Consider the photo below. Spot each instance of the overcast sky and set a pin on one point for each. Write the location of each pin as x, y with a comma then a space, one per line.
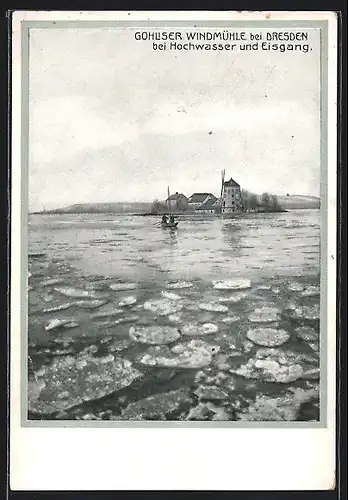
112, 120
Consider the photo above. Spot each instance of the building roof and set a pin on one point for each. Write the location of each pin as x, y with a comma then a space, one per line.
231, 183
200, 197
208, 205
176, 196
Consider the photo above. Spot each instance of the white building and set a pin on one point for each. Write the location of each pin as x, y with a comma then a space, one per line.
198, 199
231, 200
208, 207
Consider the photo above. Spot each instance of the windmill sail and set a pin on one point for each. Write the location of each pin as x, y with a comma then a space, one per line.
222, 186
169, 200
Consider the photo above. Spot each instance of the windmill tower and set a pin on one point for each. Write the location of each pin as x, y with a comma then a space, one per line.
231, 199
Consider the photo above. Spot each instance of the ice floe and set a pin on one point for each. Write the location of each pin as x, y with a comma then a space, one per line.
268, 337
222, 362
52, 281
264, 315
163, 307
47, 297
89, 416
209, 376
91, 349
177, 285
235, 298
229, 320
313, 374
98, 285
314, 346
221, 377
306, 312
154, 334
157, 407
53, 324
200, 376
65, 341
89, 304
119, 345
192, 306
213, 307
196, 329
207, 411
273, 365
193, 354
290, 306
232, 284
69, 381
295, 287
170, 295
77, 293
110, 311
210, 393
248, 346
127, 301
175, 318
263, 287
307, 334
123, 286
311, 291
61, 307
281, 408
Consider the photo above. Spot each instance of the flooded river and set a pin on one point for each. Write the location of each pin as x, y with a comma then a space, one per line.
218, 320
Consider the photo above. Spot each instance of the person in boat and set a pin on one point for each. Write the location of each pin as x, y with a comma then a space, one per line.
164, 219
171, 219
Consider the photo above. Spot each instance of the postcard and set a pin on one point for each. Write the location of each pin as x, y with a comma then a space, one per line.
173, 250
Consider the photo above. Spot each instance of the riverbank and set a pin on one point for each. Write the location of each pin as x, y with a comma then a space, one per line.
202, 214
288, 202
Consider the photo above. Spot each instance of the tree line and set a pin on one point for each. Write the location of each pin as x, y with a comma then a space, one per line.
158, 207
251, 201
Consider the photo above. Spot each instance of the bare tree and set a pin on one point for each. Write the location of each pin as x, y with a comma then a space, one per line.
158, 208
265, 200
269, 201
273, 202
249, 200
252, 201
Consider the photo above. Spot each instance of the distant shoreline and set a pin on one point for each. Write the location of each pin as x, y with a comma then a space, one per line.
176, 214
285, 203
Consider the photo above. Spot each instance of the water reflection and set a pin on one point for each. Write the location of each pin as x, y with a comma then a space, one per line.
170, 236
232, 237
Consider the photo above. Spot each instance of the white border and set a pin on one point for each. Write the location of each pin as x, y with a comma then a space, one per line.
164, 459
172, 15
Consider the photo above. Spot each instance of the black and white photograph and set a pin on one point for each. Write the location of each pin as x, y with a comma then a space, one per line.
173, 251
175, 197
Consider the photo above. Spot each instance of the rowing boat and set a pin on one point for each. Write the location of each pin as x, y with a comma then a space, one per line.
169, 225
